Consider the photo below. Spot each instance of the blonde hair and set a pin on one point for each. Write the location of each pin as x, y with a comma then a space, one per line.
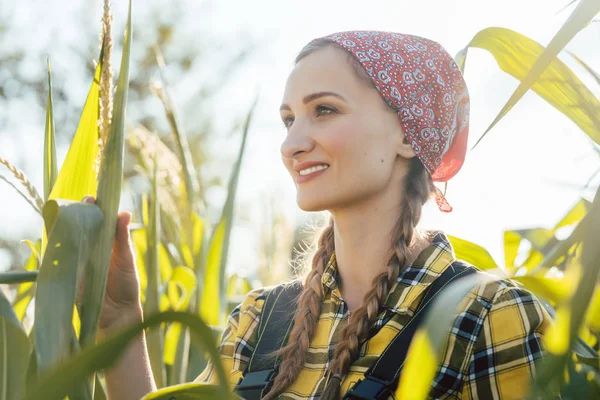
418, 188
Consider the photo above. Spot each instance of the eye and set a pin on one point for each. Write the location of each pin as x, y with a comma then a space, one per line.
320, 111
287, 121
325, 110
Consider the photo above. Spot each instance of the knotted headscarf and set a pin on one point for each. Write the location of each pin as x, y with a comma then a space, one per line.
418, 78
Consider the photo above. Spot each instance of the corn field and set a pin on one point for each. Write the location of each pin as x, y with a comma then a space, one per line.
181, 256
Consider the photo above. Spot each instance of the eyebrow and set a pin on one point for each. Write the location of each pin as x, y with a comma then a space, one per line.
311, 97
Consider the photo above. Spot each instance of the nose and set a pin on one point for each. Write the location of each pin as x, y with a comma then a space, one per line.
297, 141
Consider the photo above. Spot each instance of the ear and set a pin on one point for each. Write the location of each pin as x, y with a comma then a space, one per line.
403, 147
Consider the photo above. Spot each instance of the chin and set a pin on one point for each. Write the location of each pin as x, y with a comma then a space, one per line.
312, 204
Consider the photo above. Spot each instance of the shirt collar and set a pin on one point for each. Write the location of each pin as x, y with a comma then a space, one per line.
412, 281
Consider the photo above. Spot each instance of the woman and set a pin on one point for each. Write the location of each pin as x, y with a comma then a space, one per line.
372, 119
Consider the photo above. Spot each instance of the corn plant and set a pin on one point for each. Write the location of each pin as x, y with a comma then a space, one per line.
563, 274
59, 356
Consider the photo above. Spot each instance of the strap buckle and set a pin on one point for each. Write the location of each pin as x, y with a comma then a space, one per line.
251, 385
369, 388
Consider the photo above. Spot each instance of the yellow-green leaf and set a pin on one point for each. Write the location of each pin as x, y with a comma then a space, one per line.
552, 289
539, 69
181, 287
50, 168
77, 176
574, 215
428, 343
26, 291
185, 391
593, 313
472, 253
512, 240
556, 340
419, 369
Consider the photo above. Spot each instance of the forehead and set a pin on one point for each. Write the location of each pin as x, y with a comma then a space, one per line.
327, 69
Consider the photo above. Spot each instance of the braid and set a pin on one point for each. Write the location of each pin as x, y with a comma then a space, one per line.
417, 190
294, 352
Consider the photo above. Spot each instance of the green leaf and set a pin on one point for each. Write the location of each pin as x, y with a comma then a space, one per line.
214, 277
12, 277
552, 368
472, 253
50, 168
59, 381
183, 149
108, 198
539, 69
428, 343
594, 74
185, 391
73, 231
155, 335
14, 348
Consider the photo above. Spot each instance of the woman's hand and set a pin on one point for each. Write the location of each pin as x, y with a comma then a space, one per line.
122, 305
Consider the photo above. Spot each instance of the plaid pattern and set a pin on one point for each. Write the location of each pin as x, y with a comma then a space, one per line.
489, 354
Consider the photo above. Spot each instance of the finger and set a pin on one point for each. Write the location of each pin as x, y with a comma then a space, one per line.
89, 199
122, 245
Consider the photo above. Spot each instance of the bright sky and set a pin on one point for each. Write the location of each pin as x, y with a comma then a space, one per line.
527, 172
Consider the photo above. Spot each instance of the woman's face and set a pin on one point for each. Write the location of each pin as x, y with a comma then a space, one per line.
336, 121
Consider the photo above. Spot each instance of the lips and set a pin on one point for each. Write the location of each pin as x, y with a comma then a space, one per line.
308, 164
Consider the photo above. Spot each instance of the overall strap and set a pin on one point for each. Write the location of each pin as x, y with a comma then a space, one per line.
381, 378
277, 318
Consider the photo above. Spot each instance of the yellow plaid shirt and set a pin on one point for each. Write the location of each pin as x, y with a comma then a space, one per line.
489, 354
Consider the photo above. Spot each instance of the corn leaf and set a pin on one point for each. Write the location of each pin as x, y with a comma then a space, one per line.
180, 291
155, 337
512, 240
570, 317
183, 149
214, 277
58, 382
594, 74
108, 198
539, 69
14, 348
574, 215
181, 287
472, 253
552, 289
26, 291
74, 228
50, 169
185, 391
427, 345
140, 243
77, 176
593, 313
182, 356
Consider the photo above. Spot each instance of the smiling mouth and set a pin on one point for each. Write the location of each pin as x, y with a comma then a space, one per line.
310, 173
310, 170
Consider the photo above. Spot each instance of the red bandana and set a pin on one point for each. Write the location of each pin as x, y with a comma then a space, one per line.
417, 77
